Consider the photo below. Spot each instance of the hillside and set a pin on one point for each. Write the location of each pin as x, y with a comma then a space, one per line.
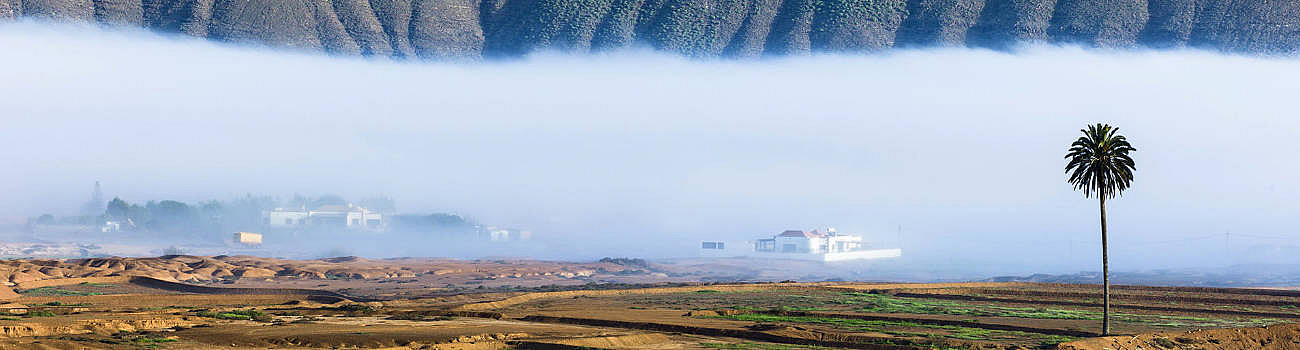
437, 29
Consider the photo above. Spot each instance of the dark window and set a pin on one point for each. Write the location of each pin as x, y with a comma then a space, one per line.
288, 221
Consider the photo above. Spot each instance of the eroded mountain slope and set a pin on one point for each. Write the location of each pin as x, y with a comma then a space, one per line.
486, 28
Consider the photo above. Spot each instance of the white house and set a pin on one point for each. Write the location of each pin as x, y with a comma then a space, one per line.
287, 217
801, 245
496, 234
341, 216
247, 239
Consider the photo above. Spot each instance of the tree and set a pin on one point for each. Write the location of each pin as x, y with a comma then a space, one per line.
1099, 165
329, 199
138, 215
380, 204
45, 219
169, 215
117, 209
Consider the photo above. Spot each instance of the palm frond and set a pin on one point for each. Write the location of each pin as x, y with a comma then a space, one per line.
1099, 163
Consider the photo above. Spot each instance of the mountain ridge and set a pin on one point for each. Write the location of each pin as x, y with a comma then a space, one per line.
472, 29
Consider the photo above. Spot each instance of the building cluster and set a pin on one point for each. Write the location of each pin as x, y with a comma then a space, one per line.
327, 216
498, 234
802, 245
354, 217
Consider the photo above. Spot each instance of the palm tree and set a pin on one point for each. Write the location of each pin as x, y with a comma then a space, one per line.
1100, 166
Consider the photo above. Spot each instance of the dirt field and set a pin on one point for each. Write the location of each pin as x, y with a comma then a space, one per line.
428, 304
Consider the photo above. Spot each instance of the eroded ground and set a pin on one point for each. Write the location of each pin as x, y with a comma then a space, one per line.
415, 304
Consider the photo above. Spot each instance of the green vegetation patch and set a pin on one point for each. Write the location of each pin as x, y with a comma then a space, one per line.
152, 340
357, 309
247, 315
156, 308
891, 327
54, 292
770, 300
881, 303
57, 303
757, 346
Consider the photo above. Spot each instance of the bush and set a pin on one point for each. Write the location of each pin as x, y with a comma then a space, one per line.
56, 303
357, 308
636, 262
148, 340
51, 291
247, 315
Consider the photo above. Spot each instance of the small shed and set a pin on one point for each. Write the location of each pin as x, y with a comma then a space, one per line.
248, 239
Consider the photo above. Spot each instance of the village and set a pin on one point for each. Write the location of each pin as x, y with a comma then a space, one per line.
253, 225
829, 246
265, 226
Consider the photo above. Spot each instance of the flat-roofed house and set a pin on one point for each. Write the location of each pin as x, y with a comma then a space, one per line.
338, 216
802, 245
247, 239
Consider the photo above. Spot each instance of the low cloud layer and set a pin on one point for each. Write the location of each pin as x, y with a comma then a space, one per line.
641, 154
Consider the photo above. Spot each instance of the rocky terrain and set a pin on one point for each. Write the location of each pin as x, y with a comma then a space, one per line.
471, 29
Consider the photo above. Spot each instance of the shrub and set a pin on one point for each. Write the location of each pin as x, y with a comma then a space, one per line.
357, 308
247, 315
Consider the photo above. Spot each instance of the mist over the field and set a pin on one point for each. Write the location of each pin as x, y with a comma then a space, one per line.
954, 154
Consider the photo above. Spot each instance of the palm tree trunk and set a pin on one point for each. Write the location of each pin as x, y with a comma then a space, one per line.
1105, 274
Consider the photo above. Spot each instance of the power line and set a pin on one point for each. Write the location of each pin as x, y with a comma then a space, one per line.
1189, 239
1266, 237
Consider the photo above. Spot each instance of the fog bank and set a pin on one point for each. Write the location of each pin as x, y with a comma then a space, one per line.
955, 154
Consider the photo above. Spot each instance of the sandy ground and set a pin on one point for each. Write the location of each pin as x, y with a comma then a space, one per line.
1279, 337
185, 302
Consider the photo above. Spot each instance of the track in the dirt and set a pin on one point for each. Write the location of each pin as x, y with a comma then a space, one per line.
843, 341
155, 283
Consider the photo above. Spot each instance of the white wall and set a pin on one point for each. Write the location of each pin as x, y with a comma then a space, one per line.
278, 218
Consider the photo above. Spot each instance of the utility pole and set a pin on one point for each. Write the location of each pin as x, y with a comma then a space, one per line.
1227, 247
900, 236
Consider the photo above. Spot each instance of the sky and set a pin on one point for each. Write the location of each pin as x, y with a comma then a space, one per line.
954, 154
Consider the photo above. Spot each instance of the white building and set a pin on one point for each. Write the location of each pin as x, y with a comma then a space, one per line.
247, 239
802, 245
339, 216
496, 234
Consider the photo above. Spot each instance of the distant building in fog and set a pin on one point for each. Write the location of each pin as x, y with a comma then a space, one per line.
498, 234
801, 245
439, 223
327, 216
95, 206
247, 239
